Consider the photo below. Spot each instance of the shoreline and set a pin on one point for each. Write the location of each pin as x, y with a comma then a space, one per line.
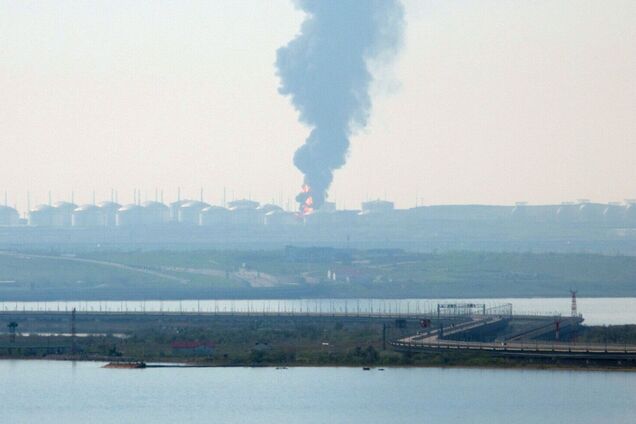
184, 364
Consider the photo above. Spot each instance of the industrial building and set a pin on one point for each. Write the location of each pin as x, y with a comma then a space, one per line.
377, 212
580, 226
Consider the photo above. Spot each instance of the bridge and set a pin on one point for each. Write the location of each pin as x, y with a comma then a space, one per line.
523, 349
458, 312
526, 343
457, 327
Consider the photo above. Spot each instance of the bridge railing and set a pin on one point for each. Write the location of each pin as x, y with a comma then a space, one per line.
537, 346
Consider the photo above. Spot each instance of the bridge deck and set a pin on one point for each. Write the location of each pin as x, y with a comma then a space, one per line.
528, 348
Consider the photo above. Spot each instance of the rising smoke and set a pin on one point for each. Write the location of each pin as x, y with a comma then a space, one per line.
325, 71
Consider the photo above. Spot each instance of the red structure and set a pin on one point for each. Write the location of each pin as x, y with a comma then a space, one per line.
574, 312
184, 347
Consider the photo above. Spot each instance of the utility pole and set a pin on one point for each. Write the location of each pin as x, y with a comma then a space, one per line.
574, 313
12, 327
384, 336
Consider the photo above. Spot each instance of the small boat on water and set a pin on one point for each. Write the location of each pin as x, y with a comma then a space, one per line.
126, 365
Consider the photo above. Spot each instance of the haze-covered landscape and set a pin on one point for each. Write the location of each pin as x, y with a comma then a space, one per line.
310, 272
318, 211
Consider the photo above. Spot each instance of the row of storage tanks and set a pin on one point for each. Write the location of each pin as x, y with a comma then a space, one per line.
250, 213
111, 214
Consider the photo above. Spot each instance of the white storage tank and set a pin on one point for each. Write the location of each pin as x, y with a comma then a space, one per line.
319, 218
328, 207
41, 216
129, 216
244, 213
567, 212
520, 211
88, 216
377, 206
630, 213
614, 214
214, 216
63, 214
189, 212
263, 210
174, 209
155, 213
591, 212
8, 216
346, 218
266, 208
542, 213
109, 212
242, 204
280, 218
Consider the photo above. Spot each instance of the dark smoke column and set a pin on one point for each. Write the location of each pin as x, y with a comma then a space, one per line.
324, 70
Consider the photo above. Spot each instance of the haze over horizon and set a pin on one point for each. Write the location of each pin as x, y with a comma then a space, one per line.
493, 103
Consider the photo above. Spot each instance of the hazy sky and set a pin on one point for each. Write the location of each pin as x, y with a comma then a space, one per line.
489, 102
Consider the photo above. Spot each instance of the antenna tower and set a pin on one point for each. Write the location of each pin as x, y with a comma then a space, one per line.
574, 312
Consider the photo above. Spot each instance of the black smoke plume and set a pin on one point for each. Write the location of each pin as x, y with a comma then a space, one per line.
325, 71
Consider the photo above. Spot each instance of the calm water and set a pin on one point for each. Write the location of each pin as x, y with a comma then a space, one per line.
52, 392
596, 311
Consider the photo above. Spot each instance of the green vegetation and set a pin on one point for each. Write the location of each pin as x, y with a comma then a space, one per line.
304, 273
613, 334
254, 341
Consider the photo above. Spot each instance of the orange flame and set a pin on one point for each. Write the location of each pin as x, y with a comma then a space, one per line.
307, 207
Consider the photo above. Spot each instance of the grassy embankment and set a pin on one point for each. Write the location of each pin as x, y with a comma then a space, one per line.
273, 274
